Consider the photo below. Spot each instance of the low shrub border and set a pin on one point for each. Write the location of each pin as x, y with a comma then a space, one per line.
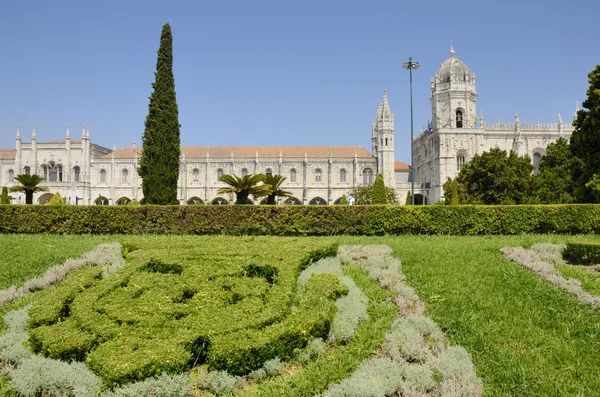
582, 253
301, 220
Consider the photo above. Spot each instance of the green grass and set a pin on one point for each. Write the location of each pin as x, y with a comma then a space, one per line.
526, 337
27, 256
590, 279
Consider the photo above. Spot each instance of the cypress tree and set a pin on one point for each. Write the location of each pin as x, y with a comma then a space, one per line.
4, 198
379, 192
408, 199
159, 162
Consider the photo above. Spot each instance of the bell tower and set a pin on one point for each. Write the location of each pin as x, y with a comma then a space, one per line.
453, 95
383, 142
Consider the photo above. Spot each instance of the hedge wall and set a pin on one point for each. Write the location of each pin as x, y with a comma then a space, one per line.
301, 220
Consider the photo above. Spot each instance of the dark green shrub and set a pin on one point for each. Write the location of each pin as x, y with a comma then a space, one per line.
156, 266
61, 341
267, 272
582, 253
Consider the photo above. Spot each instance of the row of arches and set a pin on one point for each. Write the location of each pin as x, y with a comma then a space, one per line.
102, 200
293, 175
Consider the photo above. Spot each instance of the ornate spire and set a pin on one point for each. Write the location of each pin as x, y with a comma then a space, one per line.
83, 132
385, 109
68, 134
559, 119
33, 134
18, 137
133, 145
451, 52
517, 120
88, 132
576, 109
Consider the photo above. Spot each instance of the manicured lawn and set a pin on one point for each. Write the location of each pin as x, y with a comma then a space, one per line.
590, 279
26, 256
527, 337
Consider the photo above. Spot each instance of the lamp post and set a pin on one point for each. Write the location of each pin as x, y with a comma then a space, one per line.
410, 65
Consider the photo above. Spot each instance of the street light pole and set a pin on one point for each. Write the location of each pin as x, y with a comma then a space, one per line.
410, 65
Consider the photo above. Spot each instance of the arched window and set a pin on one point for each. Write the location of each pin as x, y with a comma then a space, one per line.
76, 173
27, 171
317, 175
102, 176
11, 176
459, 118
536, 162
196, 174
367, 176
53, 172
124, 175
244, 172
60, 173
269, 171
293, 175
219, 174
343, 175
101, 200
386, 141
460, 161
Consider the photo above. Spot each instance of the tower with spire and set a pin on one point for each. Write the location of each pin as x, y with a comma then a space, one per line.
382, 139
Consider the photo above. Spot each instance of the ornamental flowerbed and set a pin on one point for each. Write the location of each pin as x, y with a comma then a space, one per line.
250, 319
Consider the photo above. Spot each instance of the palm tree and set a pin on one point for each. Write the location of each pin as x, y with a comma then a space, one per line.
244, 186
29, 185
274, 182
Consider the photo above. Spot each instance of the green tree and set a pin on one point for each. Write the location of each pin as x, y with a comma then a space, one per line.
343, 200
454, 192
56, 200
554, 184
379, 192
4, 198
274, 183
29, 184
159, 162
497, 178
244, 186
363, 195
585, 141
408, 198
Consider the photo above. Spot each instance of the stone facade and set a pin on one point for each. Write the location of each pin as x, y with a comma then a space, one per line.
456, 134
88, 173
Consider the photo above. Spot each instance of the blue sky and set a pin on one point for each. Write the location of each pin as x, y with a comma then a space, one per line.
282, 72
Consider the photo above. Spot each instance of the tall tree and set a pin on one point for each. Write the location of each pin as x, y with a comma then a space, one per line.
585, 141
159, 162
497, 178
364, 194
554, 184
4, 198
29, 184
408, 199
379, 192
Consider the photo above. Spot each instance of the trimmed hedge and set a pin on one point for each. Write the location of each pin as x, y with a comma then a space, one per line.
582, 253
301, 220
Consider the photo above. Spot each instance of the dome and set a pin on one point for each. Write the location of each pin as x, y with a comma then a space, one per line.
453, 70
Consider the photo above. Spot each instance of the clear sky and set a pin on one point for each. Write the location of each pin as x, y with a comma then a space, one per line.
281, 72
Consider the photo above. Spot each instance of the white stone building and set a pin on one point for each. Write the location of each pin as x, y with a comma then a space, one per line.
456, 134
89, 173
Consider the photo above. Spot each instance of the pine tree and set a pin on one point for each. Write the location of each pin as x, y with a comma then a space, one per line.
379, 192
4, 198
159, 162
585, 141
408, 199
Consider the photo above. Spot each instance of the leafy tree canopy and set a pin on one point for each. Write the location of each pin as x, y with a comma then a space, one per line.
4, 197
379, 192
554, 184
29, 184
245, 186
363, 195
496, 177
585, 141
